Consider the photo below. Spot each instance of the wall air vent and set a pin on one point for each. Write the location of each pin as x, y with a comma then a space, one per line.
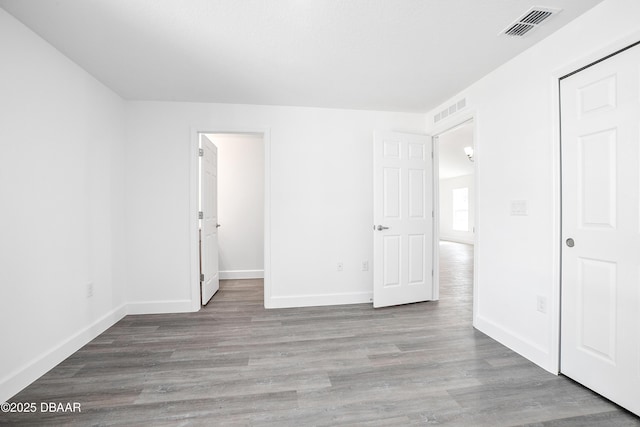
451, 109
530, 20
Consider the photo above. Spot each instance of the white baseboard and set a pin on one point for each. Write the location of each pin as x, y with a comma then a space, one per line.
515, 342
160, 307
31, 371
457, 239
241, 274
318, 300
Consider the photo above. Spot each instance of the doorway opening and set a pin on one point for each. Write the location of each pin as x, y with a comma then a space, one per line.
240, 204
455, 213
242, 200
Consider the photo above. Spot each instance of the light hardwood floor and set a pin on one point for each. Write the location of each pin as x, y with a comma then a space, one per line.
235, 363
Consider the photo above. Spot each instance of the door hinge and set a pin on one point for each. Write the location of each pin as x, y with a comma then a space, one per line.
200, 152
201, 277
200, 215
433, 215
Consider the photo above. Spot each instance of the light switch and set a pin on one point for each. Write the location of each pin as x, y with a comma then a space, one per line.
519, 208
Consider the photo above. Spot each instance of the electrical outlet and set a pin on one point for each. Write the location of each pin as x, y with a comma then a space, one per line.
541, 304
340, 266
365, 265
89, 289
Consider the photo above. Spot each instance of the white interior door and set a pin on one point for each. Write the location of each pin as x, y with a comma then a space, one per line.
403, 219
210, 279
600, 336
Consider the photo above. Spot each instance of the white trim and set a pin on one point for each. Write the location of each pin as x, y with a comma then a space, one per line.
194, 252
266, 135
241, 274
553, 363
456, 240
435, 263
40, 365
320, 300
597, 55
556, 228
160, 307
193, 206
477, 156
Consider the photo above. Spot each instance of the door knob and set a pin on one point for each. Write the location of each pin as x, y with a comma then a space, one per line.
218, 226
570, 242
381, 227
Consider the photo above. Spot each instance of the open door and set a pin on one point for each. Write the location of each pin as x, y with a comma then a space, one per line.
403, 219
209, 275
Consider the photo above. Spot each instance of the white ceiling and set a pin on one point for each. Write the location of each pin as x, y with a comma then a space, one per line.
453, 162
395, 55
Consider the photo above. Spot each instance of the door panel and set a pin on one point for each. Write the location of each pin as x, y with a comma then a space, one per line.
403, 205
392, 258
600, 326
416, 259
416, 193
391, 192
209, 224
597, 307
597, 179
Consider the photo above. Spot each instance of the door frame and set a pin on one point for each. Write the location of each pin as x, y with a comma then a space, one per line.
587, 60
446, 126
194, 253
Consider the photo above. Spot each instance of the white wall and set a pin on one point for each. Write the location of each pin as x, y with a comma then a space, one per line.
62, 215
240, 205
321, 198
446, 209
517, 159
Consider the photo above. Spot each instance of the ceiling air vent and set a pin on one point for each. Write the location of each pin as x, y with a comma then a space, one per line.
530, 20
536, 16
519, 29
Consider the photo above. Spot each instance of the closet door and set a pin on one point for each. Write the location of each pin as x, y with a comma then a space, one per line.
600, 337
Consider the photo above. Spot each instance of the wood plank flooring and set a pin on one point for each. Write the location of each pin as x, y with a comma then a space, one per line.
236, 364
